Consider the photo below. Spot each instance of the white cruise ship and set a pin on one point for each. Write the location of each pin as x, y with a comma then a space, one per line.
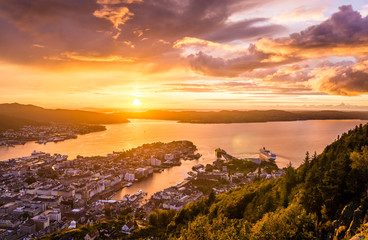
266, 154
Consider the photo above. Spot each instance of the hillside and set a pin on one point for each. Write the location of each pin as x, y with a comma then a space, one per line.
325, 198
9, 122
322, 199
244, 116
33, 114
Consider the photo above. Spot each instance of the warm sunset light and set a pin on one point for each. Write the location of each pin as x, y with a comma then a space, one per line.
184, 119
137, 102
208, 54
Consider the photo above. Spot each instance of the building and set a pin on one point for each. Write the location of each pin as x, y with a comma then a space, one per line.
169, 157
128, 227
129, 177
28, 227
73, 224
155, 162
42, 221
54, 215
92, 235
8, 208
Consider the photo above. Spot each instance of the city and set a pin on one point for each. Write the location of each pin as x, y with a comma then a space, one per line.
42, 134
44, 193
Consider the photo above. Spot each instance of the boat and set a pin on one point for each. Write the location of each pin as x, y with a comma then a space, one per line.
192, 174
266, 154
129, 184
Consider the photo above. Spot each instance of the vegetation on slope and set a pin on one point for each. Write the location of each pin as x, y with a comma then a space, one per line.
325, 197
14, 116
8, 122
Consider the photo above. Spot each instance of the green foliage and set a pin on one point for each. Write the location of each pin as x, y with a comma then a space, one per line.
206, 185
337, 176
292, 222
241, 165
30, 180
47, 173
219, 228
268, 166
161, 218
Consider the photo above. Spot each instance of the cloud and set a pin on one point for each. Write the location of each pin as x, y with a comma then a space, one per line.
245, 29
345, 33
158, 35
341, 80
67, 56
118, 1
344, 29
196, 42
143, 30
118, 16
241, 86
252, 59
289, 74
64, 25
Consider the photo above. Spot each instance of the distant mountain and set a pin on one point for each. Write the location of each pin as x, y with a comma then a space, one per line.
27, 114
244, 116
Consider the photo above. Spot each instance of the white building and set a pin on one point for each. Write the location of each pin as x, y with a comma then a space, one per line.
129, 177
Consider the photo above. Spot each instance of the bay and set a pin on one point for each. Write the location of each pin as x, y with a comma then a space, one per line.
288, 140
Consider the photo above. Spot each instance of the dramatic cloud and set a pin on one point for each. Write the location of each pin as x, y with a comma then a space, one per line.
342, 80
252, 59
118, 16
344, 34
121, 47
144, 30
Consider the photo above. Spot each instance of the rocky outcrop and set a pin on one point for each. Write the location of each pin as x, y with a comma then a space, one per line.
349, 221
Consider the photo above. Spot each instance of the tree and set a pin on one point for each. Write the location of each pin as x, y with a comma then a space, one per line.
211, 197
30, 180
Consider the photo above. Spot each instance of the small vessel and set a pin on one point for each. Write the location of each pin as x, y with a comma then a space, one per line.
192, 174
266, 154
129, 184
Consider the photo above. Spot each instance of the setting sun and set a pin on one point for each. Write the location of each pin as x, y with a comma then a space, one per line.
137, 102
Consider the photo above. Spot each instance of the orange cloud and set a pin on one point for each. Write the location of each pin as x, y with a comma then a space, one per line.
191, 41
117, 16
118, 1
89, 58
348, 80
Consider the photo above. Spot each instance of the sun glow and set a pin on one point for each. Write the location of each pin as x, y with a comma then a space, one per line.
137, 102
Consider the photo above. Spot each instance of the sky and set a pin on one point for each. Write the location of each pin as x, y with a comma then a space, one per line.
185, 54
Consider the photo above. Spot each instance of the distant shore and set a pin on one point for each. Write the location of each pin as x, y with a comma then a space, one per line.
251, 116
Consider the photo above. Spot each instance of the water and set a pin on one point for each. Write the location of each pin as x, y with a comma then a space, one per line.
289, 140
